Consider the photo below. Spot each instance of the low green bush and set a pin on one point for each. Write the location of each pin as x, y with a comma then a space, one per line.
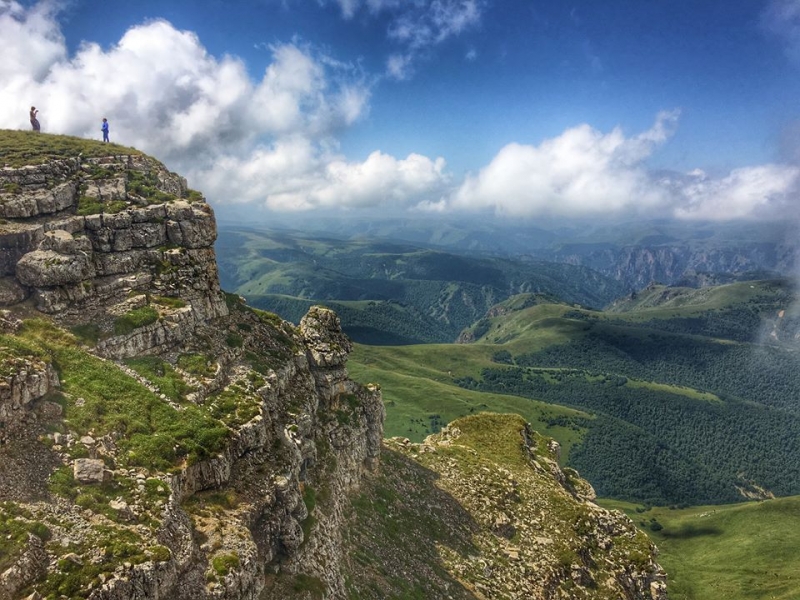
132, 320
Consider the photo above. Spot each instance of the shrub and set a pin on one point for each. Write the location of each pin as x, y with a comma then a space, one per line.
169, 302
88, 333
159, 553
224, 563
132, 320
197, 364
307, 583
234, 340
95, 206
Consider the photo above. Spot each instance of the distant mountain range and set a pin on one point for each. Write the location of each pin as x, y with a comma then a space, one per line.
390, 292
411, 281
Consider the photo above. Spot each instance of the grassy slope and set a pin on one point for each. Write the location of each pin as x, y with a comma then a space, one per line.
736, 552
662, 301
417, 385
453, 496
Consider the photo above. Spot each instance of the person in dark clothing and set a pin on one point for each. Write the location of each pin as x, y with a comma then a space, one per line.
104, 129
34, 120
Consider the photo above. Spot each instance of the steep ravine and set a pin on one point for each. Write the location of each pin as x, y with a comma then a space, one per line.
161, 439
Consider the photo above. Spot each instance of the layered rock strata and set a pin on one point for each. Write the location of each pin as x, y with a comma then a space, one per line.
84, 238
119, 250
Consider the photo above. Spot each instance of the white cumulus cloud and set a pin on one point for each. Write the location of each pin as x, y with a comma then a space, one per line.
295, 175
163, 92
582, 171
585, 172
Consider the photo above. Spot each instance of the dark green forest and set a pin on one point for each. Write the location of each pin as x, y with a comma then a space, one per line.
659, 447
650, 444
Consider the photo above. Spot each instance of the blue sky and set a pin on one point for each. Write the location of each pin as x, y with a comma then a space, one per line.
521, 108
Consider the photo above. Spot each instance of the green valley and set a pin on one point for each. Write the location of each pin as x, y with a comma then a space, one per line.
391, 292
662, 414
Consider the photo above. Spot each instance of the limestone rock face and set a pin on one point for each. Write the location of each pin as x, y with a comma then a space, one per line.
22, 382
11, 292
328, 346
88, 470
46, 268
82, 235
118, 247
29, 567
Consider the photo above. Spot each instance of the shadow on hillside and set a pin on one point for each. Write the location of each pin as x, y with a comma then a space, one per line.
690, 531
401, 527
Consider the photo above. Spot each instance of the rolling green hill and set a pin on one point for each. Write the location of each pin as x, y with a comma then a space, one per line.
747, 551
390, 293
677, 417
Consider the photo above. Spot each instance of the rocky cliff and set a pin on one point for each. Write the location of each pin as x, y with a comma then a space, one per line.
517, 525
161, 439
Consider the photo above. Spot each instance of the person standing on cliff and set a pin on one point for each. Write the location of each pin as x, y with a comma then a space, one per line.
34, 120
104, 129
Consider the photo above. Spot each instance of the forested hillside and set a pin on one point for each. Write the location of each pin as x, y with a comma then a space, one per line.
675, 416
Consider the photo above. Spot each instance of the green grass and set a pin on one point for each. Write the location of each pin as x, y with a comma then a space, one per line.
15, 524
155, 435
663, 302
145, 184
169, 301
225, 563
19, 148
133, 319
308, 584
88, 333
495, 437
95, 206
737, 552
199, 365
161, 374
416, 383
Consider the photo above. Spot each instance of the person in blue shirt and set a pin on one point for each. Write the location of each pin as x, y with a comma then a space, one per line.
104, 129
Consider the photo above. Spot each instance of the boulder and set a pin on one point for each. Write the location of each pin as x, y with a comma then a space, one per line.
89, 470
47, 268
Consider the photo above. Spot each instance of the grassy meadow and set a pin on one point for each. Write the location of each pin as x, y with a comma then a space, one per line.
20, 148
747, 551
420, 396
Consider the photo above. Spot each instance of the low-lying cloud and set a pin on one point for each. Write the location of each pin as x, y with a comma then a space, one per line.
293, 175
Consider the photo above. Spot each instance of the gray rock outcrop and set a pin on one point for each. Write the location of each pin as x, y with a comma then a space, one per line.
81, 236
